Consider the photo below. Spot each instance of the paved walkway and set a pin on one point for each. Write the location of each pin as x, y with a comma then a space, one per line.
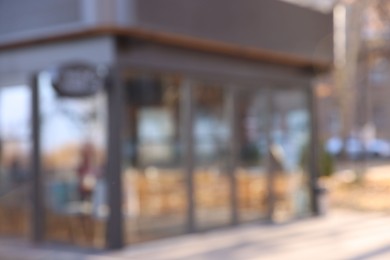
341, 235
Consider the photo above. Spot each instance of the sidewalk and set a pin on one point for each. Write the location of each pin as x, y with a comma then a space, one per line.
341, 235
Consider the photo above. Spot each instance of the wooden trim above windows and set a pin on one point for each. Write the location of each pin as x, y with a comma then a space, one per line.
180, 41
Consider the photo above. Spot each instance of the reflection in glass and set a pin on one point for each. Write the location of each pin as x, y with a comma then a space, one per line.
289, 134
73, 143
251, 173
153, 179
211, 142
15, 143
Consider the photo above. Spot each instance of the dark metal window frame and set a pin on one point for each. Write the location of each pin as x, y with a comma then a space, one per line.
115, 222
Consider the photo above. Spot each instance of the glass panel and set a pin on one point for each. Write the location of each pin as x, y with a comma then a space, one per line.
15, 143
211, 142
154, 187
251, 171
290, 135
73, 143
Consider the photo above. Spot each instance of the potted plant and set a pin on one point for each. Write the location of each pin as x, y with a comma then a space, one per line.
326, 170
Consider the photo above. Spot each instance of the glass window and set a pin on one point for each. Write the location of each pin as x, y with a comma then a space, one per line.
73, 157
211, 151
15, 145
251, 173
154, 186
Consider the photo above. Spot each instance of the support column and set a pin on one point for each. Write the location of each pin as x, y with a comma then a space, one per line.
233, 148
114, 169
313, 150
269, 162
187, 123
37, 216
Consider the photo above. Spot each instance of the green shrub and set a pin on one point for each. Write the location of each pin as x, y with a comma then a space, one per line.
325, 160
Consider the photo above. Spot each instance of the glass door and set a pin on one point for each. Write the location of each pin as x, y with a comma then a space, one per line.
289, 142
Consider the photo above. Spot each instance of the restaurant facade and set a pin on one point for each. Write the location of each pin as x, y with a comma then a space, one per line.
127, 121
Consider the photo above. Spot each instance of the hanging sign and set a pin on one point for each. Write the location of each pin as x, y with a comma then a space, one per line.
77, 80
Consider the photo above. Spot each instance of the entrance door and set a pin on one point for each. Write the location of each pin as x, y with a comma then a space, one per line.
73, 162
289, 142
273, 139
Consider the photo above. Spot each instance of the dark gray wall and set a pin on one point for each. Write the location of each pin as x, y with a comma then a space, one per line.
24, 19
268, 24
23, 15
210, 67
17, 65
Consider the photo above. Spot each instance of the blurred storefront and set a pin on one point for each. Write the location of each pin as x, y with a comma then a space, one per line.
199, 117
